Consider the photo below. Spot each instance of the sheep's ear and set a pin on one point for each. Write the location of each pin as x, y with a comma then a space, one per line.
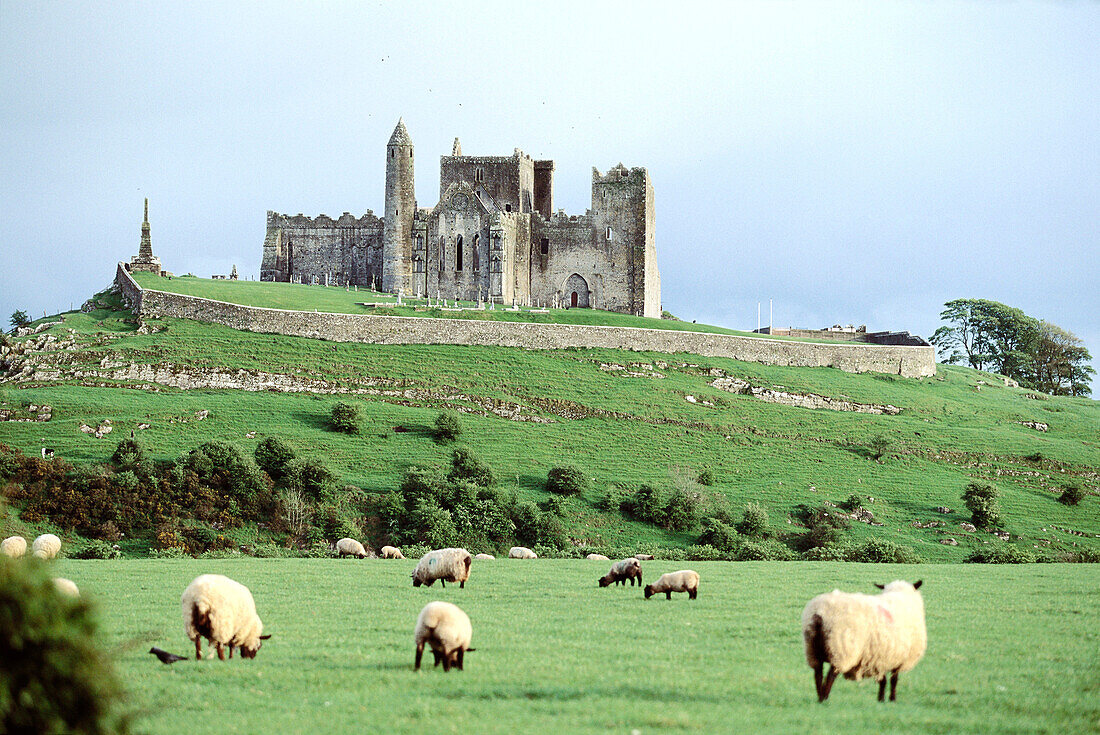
265, 637
881, 587
917, 584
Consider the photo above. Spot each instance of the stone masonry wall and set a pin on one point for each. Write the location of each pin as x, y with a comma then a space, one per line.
911, 362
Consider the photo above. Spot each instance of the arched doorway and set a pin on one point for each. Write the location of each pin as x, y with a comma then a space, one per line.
576, 291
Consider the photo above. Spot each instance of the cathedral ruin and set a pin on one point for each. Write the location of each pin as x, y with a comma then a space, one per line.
493, 235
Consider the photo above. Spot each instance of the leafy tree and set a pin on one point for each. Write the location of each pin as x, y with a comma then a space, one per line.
880, 445
465, 465
311, 477
272, 455
345, 418
1072, 493
447, 426
19, 318
981, 499
986, 334
1060, 363
566, 480
754, 521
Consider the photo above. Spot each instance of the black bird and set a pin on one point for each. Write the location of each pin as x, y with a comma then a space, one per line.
165, 657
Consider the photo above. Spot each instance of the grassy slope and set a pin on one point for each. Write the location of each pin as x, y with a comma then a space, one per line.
948, 433
555, 652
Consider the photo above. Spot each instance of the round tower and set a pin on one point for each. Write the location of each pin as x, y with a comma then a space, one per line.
400, 209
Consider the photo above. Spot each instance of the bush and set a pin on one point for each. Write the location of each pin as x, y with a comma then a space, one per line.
854, 502
273, 455
54, 677
767, 550
1081, 556
879, 445
981, 499
447, 426
881, 551
682, 510
649, 504
128, 455
704, 552
97, 550
1001, 555
311, 477
824, 526
566, 480
718, 535
345, 418
832, 552
613, 498
1072, 493
465, 465
754, 521
707, 477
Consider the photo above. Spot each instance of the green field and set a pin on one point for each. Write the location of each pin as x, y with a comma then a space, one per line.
1012, 649
621, 426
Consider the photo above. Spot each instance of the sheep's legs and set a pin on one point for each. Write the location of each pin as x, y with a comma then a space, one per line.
668, 595
458, 659
419, 654
444, 583
446, 663
882, 689
198, 648
894, 686
231, 651
823, 689
221, 651
462, 585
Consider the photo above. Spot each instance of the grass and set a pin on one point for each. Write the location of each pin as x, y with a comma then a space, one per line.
625, 429
554, 652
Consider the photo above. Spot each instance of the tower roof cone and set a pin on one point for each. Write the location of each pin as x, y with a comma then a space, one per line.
400, 135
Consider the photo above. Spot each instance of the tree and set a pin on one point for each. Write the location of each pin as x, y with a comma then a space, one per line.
1060, 364
345, 418
447, 426
19, 318
985, 333
272, 455
980, 497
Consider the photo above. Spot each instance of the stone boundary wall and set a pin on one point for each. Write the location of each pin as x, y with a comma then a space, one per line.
910, 362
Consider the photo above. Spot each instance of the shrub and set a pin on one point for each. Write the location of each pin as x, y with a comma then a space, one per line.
881, 551
703, 552
707, 477
1072, 493
719, 535
128, 454
566, 480
649, 504
273, 455
433, 525
97, 550
555, 506
832, 552
465, 465
311, 477
766, 550
613, 498
1081, 556
525, 516
754, 521
854, 502
824, 526
1005, 554
682, 510
447, 426
345, 418
879, 445
981, 499
54, 677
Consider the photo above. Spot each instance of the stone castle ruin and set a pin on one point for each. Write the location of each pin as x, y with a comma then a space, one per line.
493, 235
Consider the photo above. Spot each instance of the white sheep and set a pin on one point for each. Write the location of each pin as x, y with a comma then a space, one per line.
521, 552
392, 552
350, 547
222, 611
446, 565
865, 635
66, 586
13, 546
597, 557
685, 580
484, 556
622, 570
46, 546
447, 630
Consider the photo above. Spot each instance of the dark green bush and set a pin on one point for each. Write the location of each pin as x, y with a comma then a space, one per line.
1072, 493
704, 552
832, 552
273, 455
433, 525
54, 677
879, 445
447, 426
1001, 554
465, 465
311, 477
719, 535
707, 477
754, 522
566, 480
128, 454
345, 418
854, 502
97, 550
613, 498
525, 517
881, 551
766, 550
649, 503
824, 526
555, 506
980, 497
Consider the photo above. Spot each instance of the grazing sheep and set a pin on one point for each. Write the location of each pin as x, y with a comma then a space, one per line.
521, 552
13, 546
46, 546
644, 557
447, 630
865, 635
392, 552
485, 556
350, 547
222, 611
685, 580
622, 570
66, 586
446, 565
597, 557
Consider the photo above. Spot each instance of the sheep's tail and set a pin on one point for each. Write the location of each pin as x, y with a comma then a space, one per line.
815, 640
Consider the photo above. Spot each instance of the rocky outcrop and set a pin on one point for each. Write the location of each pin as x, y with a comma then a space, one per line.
803, 400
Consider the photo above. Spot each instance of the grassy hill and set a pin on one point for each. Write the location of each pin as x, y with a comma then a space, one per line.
625, 418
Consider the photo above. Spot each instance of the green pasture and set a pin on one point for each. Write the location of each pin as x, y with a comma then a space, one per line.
1012, 649
953, 428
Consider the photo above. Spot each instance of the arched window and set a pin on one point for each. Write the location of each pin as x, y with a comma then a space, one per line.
419, 242
458, 254
610, 234
476, 255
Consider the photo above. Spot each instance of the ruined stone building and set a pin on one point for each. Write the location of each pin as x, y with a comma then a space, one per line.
493, 233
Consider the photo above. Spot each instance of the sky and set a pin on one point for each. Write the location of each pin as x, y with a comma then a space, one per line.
847, 162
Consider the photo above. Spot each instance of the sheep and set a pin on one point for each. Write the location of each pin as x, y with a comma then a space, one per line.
685, 580
865, 635
521, 552
485, 556
46, 546
597, 557
222, 611
66, 586
644, 557
446, 565
392, 552
622, 570
350, 547
13, 546
447, 630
